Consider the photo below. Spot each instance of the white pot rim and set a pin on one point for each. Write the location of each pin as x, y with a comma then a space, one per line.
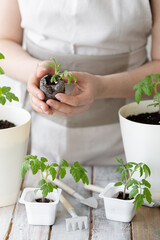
119, 188
26, 190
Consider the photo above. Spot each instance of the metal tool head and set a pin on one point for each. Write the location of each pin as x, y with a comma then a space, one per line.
76, 223
91, 202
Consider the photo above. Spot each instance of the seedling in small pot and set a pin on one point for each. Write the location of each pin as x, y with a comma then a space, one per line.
76, 170
140, 188
50, 84
6, 94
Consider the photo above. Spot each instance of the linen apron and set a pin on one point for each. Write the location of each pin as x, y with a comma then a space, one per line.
92, 137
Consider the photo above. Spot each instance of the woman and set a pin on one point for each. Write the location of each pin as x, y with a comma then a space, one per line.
103, 44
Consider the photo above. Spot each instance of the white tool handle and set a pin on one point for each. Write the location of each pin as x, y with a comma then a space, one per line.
64, 186
68, 206
94, 188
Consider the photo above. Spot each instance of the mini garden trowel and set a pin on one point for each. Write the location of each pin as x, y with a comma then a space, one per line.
91, 201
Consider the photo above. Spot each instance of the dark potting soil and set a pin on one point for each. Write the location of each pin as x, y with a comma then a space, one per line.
50, 89
45, 200
5, 124
147, 118
120, 196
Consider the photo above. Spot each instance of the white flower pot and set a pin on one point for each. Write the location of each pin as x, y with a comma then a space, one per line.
13, 148
142, 142
117, 209
40, 213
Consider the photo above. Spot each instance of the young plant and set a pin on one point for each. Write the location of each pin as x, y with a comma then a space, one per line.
76, 170
140, 188
59, 73
5, 93
149, 86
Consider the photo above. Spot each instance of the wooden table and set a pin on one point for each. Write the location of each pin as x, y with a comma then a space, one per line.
145, 225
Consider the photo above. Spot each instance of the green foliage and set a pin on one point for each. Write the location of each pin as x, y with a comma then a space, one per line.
5, 93
149, 87
36, 165
59, 73
139, 188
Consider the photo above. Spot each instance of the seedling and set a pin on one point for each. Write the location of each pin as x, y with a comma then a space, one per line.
5, 93
59, 73
148, 86
140, 188
76, 170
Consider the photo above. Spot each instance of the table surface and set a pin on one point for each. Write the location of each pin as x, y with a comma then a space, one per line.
144, 226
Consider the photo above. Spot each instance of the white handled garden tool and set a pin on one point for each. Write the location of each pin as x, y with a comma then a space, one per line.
91, 201
76, 222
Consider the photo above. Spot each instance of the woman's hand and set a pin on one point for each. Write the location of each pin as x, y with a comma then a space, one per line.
36, 95
80, 99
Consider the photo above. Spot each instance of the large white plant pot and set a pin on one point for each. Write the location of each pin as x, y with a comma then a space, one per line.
40, 213
142, 142
13, 148
117, 209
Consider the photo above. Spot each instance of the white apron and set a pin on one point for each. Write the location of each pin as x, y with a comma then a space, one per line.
97, 37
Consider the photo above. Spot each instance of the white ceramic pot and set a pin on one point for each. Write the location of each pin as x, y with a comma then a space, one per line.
117, 209
142, 142
40, 213
13, 148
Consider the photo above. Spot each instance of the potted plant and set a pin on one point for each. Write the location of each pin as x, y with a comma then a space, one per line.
14, 134
141, 137
41, 202
51, 84
122, 199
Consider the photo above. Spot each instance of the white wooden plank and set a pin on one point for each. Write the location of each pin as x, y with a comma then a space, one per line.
21, 230
59, 229
5, 220
102, 228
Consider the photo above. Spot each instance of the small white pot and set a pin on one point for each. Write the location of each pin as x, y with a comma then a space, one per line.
142, 142
40, 213
13, 148
117, 209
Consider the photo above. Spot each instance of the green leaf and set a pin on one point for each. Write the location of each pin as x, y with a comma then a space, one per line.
5, 89
50, 65
139, 201
74, 78
54, 165
146, 170
53, 173
138, 95
64, 163
2, 56
69, 79
35, 166
45, 190
54, 61
24, 168
75, 174
1, 71
41, 182
133, 192
50, 187
156, 76
141, 171
30, 157
2, 100
43, 159
119, 161
130, 183
85, 179
62, 172
11, 96
147, 90
146, 183
147, 195
122, 176
118, 184
43, 166
119, 168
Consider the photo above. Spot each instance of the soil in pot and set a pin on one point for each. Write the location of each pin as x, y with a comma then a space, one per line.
50, 89
5, 124
44, 200
120, 196
147, 118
